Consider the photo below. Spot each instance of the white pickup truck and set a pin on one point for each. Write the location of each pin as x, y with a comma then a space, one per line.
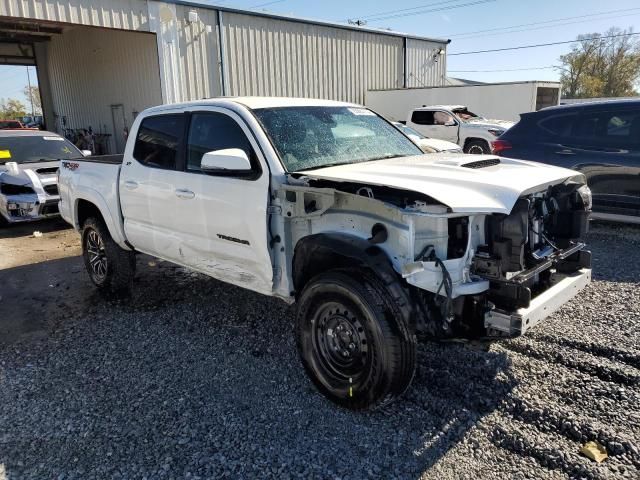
455, 123
328, 205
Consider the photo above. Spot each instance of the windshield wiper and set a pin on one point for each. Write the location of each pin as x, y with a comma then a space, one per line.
386, 157
337, 164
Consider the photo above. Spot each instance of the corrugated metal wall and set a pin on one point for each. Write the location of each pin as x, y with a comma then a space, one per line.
91, 69
123, 14
199, 59
425, 67
189, 64
265, 56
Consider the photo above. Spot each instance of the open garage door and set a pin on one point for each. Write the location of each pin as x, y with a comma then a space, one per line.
90, 78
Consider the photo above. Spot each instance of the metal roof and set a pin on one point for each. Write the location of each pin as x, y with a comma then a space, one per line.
326, 23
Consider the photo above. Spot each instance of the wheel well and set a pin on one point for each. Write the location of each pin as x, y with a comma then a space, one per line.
87, 210
322, 252
474, 139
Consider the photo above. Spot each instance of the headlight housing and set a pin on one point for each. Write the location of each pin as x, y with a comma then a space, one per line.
496, 132
584, 192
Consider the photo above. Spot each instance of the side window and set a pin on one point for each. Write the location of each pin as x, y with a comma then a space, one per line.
442, 118
210, 131
559, 125
609, 129
158, 141
422, 117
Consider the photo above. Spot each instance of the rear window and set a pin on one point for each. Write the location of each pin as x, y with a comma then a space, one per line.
36, 148
158, 141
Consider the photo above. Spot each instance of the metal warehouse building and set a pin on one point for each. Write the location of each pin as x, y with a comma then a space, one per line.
99, 63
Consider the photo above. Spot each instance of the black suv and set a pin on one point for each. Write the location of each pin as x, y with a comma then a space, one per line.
599, 139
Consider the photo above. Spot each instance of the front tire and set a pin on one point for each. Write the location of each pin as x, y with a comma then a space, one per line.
477, 147
353, 339
110, 267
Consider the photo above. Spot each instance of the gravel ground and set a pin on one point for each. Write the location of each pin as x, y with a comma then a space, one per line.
192, 378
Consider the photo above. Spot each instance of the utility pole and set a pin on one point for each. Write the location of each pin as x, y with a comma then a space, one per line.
33, 112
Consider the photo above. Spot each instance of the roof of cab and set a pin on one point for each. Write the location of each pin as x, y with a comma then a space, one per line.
442, 107
255, 103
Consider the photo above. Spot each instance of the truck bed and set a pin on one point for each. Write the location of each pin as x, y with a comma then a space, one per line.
93, 179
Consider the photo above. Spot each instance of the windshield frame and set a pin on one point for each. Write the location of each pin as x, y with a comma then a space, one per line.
74, 154
474, 118
268, 134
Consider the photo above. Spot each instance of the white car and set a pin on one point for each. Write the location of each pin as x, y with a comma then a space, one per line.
328, 205
455, 123
426, 144
29, 161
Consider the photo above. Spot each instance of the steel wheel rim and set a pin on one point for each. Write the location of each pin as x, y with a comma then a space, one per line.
96, 255
340, 343
476, 150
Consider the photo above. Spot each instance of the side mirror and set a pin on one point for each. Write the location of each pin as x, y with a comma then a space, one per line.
227, 159
87, 153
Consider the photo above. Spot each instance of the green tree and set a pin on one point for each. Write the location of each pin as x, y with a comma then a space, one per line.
32, 94
601, 67
12, 108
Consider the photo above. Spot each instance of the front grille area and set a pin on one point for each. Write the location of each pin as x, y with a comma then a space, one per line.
51, 189
482, 163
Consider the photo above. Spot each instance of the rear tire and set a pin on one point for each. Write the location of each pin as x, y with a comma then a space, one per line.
110, 267
477, 147
353, 339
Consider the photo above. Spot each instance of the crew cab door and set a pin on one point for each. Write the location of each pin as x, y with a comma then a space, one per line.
215, 223
436, 124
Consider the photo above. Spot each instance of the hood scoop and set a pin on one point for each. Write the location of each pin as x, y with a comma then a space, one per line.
47, 171
489, 162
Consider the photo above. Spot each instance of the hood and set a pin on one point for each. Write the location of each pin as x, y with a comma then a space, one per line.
487, 184
44, 171
438, 145
489, 123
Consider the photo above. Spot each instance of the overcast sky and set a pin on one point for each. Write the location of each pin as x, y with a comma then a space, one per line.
554, 21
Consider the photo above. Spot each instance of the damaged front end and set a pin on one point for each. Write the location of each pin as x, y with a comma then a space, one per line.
28, 194
517, 269
469, 275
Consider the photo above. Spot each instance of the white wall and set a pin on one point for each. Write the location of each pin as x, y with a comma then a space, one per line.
498, 101
91, 69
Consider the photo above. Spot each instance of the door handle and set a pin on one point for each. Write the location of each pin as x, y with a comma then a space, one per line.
566, 151
130, 185
183, 193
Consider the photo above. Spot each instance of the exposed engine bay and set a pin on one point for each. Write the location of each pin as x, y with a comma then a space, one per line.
469, 275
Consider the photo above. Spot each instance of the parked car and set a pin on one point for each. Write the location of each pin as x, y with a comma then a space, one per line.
455, 123
11, 124
29, 161
328, 205
426, 144
599, 139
